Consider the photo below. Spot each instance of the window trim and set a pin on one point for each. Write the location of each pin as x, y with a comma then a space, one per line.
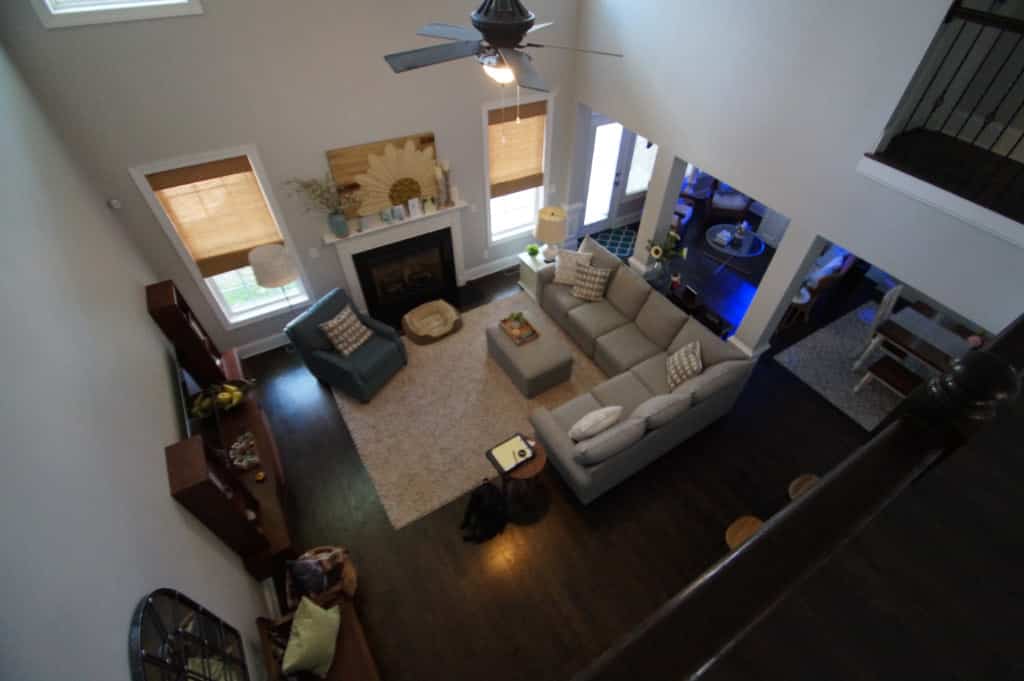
108, 15
138, 175
548, 125
522, 229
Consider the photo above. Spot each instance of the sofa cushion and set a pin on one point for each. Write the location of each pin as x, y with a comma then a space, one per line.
625, 390
591, 282
609, 443
713, 379
622, 349
312, 640
660, 320
572, 411
660, 409
602, 256
652, 374
684, 364
594, 422
557, 300
565, 265
587, 322
712, 348
627, 292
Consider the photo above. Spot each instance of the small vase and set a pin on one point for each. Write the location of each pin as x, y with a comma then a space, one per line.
338, 225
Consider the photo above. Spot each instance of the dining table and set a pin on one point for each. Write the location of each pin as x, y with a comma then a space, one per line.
909, 332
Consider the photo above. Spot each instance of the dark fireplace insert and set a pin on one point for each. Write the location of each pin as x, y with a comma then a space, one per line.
398, 277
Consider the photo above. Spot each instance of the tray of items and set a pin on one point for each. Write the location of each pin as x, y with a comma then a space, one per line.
518, 329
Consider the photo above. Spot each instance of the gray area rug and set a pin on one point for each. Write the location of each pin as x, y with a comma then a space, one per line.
423, 436
824, 359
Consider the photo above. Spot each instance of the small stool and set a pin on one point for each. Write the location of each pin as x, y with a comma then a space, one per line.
742, 529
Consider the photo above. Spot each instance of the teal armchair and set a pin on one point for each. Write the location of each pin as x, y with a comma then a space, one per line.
365, 371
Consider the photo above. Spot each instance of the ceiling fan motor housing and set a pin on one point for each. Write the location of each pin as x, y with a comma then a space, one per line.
503, 23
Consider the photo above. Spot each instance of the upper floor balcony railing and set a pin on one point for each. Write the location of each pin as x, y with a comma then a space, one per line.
960, 124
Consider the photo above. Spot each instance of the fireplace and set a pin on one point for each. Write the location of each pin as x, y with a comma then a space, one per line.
397, 277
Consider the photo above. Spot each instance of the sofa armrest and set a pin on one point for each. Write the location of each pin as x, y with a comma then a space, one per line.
379, 328
545, 275
560, 447
716, 378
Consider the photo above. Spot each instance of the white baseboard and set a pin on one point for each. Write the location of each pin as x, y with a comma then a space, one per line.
258, 347
491, 267
270, 598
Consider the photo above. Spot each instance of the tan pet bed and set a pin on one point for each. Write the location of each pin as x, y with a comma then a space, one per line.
431, 322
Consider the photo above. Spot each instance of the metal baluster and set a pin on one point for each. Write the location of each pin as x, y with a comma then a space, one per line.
949, 83
992, 82
931, 80
995, 111
970, 82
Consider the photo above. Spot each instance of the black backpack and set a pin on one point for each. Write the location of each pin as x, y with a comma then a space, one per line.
485, 515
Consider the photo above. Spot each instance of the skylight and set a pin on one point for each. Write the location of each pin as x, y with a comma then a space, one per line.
61, 13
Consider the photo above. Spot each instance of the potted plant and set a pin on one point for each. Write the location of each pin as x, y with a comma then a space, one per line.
664, 252
324, 195
533, 250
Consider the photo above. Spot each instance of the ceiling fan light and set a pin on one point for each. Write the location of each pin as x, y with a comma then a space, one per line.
500, 74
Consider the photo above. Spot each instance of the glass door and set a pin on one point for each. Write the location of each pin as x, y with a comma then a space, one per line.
621, 163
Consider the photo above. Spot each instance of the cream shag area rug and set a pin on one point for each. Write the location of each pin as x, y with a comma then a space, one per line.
423, 436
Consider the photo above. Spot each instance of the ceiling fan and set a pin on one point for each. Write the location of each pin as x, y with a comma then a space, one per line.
497, 42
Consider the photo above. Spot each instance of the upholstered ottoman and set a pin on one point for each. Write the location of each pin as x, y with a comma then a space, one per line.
535, 366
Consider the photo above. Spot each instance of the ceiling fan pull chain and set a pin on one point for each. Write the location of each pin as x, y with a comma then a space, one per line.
503, 121
518, 120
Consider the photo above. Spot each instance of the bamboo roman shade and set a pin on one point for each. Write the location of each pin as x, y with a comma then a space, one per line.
218, 210
516, 147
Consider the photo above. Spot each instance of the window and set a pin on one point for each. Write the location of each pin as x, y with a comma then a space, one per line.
60, 13
642, 166
515, 150
216, 212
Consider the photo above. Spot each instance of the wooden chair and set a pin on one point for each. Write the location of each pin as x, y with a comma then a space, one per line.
874, 341
802, 311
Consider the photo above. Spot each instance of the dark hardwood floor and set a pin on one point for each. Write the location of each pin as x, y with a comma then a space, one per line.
539, 602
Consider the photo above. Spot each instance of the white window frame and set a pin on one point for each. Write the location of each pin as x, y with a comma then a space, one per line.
526, 235
128, 10
213, 297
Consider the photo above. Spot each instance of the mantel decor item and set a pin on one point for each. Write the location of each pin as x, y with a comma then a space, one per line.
324, 195
220, 397
662, 253
386, 173
550, 230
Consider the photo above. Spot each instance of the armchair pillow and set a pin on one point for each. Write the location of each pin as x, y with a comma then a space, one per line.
594, 422
566, 263
590, 282
312, 640
604, 446
684, 364
346, 331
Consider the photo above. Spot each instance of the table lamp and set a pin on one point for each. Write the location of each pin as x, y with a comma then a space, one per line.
550, 230
273, 267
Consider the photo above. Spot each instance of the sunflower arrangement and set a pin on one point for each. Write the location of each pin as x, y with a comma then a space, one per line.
667, 249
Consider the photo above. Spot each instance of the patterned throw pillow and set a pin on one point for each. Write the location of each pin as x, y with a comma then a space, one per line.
346, 332
590, 282
684, 364
566, 263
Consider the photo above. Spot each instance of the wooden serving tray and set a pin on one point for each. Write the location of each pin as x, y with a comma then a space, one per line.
524, 334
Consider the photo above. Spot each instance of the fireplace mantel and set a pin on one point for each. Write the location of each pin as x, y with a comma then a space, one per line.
389, 233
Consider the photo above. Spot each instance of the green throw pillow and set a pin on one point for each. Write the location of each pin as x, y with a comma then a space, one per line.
311, 643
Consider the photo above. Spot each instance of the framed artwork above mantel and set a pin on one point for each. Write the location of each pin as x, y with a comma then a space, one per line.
388, 172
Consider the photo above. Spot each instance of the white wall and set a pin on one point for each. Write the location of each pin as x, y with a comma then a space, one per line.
293, 78
782, 99
86, 409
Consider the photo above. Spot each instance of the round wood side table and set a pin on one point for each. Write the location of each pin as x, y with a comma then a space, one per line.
526, 497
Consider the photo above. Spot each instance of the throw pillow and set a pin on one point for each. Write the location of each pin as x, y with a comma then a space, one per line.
593, 423
566, 263
661, 409
346, 332
684, 364
605, 445
590, 282
312, 640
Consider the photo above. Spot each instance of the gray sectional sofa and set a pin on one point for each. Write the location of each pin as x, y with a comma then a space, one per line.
630, 335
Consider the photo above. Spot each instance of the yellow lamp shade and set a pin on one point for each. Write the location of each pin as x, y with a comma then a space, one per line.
550, 225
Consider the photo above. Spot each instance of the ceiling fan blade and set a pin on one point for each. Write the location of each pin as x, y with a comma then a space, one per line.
522, 67
575, 49
450, 32
537, 27
428, 56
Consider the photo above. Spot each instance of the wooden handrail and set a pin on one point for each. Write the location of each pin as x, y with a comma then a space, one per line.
692, 630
